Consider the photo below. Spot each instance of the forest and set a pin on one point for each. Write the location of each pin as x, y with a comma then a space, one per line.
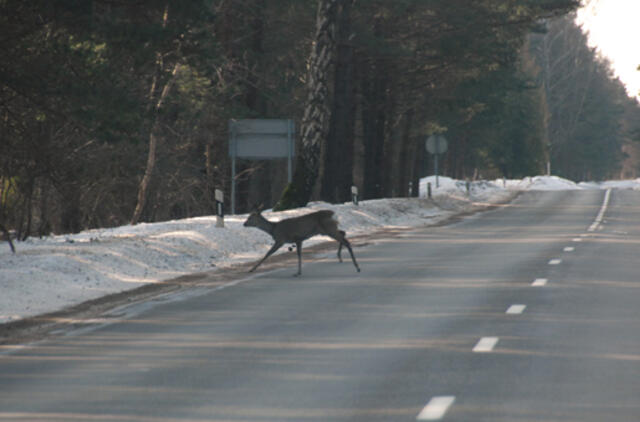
117, 111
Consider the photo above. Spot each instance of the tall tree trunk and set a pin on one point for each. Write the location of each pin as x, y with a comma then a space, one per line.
70, 219
337, 171
258, 185
390, 141
375, 83
405, 162
373, 130
419, 164
208, 161
315, 121
155, 128
153, 145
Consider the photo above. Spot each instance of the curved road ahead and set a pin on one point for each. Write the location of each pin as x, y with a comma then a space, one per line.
517, 314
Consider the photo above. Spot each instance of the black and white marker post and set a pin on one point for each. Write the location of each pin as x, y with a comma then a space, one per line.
219, 195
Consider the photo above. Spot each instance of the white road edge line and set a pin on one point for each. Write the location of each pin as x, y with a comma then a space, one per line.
516, 309
538, 282
486, 344
436, 408
605, 203
555, 261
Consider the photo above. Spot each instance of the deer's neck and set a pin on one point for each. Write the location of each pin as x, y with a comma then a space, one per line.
266, 225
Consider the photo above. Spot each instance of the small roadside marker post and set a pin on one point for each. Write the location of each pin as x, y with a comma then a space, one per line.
354, 195
219, 195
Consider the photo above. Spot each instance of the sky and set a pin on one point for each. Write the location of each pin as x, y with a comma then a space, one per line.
614, 28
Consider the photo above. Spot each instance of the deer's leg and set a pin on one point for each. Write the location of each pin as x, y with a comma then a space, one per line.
299, 250
340, 245
274, 248
340, 237
353, 258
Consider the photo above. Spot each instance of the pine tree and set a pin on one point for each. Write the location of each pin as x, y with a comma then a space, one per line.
317, 112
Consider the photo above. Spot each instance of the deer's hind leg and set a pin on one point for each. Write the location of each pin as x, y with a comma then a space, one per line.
346, 243
340, 237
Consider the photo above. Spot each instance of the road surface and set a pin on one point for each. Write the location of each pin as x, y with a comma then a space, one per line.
529, 312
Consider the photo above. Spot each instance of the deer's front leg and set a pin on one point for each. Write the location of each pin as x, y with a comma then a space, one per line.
274, 248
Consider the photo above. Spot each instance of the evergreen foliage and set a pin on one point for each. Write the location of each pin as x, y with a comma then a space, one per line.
110, 110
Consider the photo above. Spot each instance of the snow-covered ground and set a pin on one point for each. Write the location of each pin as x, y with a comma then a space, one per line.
49, 274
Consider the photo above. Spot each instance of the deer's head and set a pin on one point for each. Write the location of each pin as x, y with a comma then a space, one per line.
254, 218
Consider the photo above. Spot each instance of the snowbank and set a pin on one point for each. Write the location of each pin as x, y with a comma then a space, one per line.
55, 272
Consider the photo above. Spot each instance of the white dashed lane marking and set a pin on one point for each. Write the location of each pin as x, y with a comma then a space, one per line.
436, 408
538, 282
486, 344
516, 309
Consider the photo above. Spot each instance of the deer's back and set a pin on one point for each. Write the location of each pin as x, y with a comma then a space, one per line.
305, 226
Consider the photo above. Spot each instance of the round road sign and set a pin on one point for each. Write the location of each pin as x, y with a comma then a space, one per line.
436, 144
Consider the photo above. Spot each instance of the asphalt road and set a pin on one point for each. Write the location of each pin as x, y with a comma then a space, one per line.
517, 314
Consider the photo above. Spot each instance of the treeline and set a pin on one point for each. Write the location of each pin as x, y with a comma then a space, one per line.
589, 121
117, 111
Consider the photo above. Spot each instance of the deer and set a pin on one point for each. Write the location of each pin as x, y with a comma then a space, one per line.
295, 230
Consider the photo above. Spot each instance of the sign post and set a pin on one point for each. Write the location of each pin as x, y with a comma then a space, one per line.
260, 139
436, 145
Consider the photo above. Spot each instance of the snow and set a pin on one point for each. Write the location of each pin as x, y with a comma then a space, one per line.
55, 272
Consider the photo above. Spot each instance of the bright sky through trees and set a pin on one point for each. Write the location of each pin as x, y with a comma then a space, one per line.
614, 29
